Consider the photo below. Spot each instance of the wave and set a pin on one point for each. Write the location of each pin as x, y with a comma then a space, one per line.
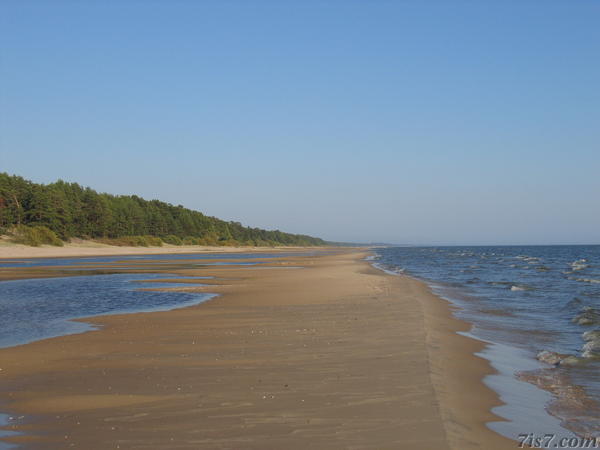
575, 302
591, 335
512, 285
587, 316
508, 284
521, 287
584, 280
580, 264
591, 348
392, 270
529, 259
588, 280
462, 254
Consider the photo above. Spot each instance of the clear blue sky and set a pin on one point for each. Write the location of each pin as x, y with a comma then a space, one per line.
400, 121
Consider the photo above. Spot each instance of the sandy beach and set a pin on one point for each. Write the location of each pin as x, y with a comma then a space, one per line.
90, 248
334, 355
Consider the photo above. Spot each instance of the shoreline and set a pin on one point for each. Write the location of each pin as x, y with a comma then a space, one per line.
383, 336
454, 383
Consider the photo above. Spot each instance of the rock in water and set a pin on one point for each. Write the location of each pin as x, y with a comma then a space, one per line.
549, 357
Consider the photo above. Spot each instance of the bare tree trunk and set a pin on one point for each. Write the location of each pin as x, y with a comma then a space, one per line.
18, 208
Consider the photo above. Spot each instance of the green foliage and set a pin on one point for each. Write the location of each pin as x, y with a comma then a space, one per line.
192, 241
36, 236
153, 241
172, 239
133, 241
70, 210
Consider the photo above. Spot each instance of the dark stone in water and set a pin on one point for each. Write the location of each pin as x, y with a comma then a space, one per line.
557, 359
570, 361
551, 358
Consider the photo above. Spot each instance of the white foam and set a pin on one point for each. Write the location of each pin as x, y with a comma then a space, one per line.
580, 264
388, 271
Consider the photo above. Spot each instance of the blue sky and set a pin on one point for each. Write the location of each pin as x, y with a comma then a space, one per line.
424, 122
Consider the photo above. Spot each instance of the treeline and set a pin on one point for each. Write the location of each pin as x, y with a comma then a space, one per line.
71, 210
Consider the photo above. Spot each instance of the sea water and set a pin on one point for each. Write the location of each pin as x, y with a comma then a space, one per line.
522, 301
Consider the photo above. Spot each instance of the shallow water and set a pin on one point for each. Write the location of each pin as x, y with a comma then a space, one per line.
525, 299
34, 309
4, 421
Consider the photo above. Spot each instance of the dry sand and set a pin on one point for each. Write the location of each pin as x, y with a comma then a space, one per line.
9, 250
334, 355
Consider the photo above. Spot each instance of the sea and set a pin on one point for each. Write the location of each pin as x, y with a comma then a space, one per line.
537, 309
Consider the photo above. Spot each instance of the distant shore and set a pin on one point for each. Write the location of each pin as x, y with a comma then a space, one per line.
90, 248
335, 355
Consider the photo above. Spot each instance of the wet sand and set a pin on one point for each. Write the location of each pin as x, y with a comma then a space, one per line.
334, 355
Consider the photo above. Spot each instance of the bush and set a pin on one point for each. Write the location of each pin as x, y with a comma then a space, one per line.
133, 241
36, 236
139, 241
172, 239
154, 241
209, 239
228, 243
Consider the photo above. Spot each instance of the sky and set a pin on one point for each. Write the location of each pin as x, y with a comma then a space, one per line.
409, 122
